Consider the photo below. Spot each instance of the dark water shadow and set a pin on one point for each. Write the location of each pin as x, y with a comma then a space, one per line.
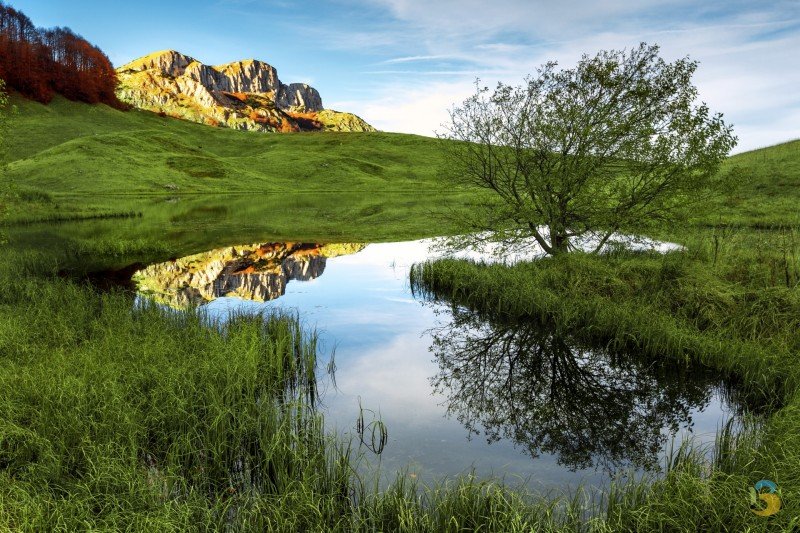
548, 392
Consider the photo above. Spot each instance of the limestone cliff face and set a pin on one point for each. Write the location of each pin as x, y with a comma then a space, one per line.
258, 272
245, 95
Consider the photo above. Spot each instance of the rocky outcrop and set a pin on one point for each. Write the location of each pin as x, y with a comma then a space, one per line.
244, 95
299, 97
258, 272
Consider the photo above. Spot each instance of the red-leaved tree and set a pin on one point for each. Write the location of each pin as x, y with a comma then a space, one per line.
40, 63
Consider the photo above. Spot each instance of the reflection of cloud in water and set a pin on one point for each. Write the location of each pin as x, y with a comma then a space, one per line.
399, 256
366, 317
403, 300
394, 378
384, 255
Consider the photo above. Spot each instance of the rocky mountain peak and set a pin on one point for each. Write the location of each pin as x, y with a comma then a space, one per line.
244, 94
249, 76
168, 62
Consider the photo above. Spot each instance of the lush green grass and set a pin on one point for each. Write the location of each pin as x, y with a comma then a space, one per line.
766, 192
71, 161
114, 417
74, 148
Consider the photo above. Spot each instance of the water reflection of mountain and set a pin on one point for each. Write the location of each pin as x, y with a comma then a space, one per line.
547, 392
257, 272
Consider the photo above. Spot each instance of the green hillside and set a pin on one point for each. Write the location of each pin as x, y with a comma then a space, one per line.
766, 190
68, 147
81, 154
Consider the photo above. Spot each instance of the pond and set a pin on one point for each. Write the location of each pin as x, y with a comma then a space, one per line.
458, 392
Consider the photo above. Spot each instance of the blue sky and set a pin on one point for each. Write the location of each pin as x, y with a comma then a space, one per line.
401, 64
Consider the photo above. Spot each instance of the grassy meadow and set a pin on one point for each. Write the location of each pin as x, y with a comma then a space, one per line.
764, 190
68, 160
122, 417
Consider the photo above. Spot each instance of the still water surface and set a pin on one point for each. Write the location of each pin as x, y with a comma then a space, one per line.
458, 393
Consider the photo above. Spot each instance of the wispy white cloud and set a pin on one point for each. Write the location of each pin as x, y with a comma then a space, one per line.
543, 19
410, 107
749, 69
476, 73
410, 59
502, 48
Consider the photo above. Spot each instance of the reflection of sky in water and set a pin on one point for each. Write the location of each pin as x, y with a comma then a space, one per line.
363, 307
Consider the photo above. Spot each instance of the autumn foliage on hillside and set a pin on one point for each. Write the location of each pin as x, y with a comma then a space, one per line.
40, 63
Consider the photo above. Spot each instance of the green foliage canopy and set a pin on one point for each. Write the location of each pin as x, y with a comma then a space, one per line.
615, 143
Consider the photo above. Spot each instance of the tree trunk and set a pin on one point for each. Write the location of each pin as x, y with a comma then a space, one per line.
559, 241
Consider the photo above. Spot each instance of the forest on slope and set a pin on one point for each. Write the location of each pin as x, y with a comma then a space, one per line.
40, 63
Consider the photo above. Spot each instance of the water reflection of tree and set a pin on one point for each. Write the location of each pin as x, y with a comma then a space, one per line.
548, 393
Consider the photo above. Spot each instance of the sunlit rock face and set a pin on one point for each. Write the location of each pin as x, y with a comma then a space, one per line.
246, 95
258, 272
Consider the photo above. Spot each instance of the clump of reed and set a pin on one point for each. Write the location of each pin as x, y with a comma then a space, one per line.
127, 416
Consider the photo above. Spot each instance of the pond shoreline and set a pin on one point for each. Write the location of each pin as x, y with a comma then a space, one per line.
100, 365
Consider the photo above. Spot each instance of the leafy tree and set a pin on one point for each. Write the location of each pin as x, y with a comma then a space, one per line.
616, 143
